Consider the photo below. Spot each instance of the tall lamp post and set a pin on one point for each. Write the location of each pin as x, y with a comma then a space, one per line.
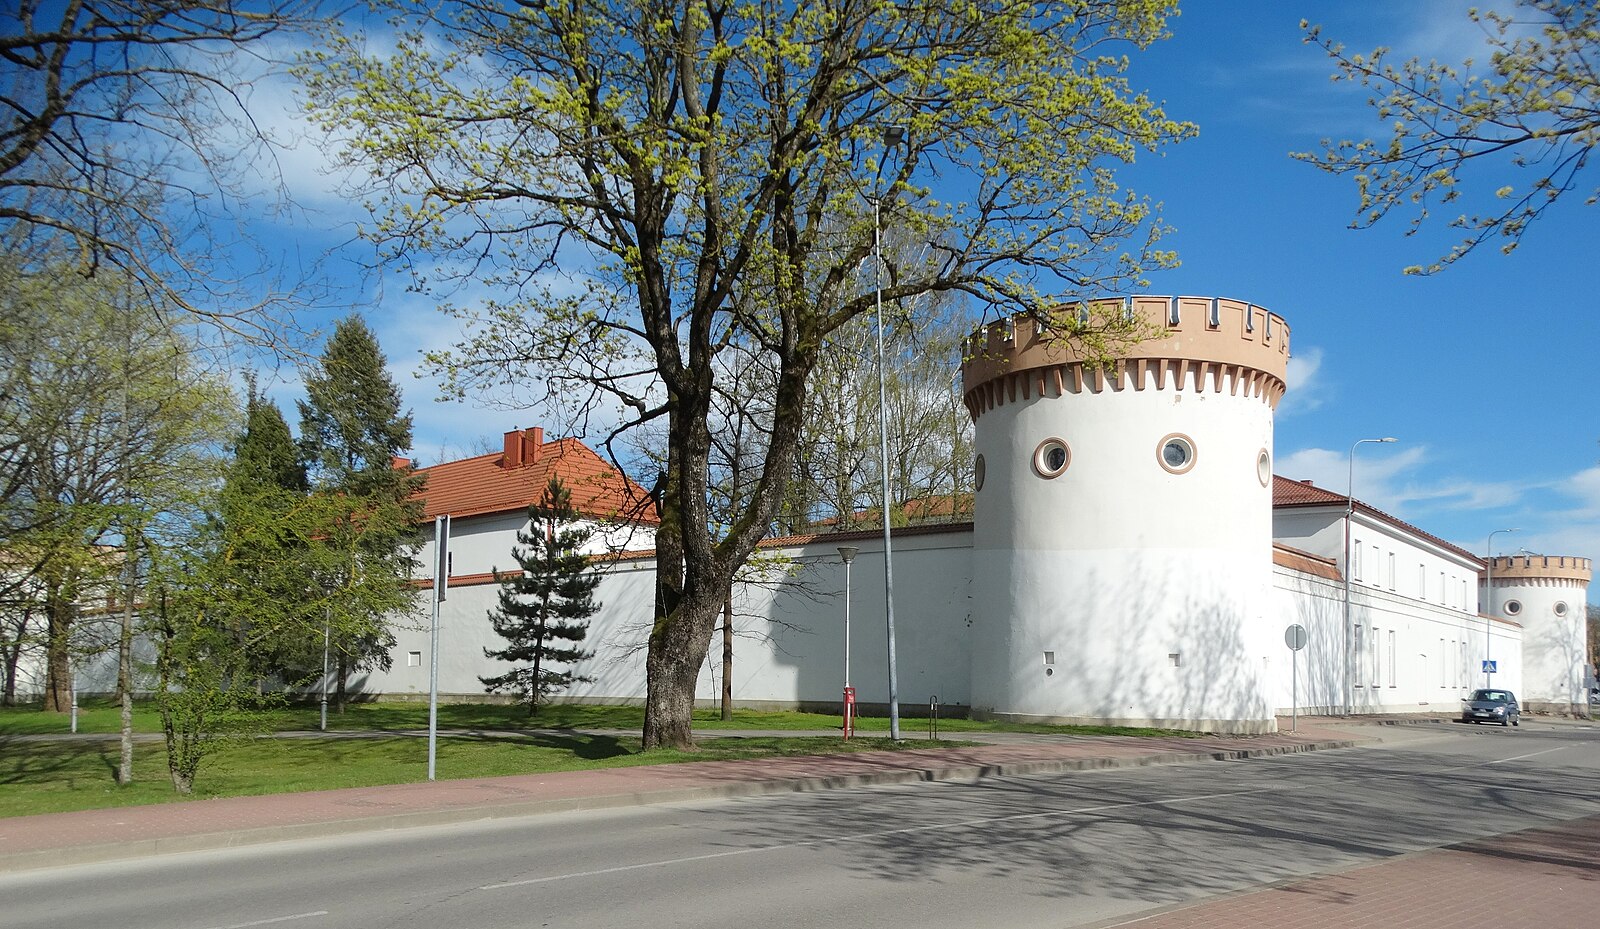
893, 137
1349, 514
847, 553
1488, 586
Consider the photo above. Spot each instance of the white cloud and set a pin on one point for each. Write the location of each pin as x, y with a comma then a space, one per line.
1304, 391
1379, 479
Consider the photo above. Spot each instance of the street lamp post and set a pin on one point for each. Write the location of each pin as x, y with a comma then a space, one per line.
1349, 514
847, 553
893, 136
1488, 586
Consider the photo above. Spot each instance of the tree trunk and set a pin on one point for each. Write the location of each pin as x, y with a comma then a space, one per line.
677, 648
58, 653
342, 670
727, 657
125, 686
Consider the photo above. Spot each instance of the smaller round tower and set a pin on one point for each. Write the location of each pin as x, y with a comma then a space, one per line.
1548, 596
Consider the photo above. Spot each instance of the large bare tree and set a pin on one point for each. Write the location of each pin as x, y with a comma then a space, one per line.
649, 183
127, 141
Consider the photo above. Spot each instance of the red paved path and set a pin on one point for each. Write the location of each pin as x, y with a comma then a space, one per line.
1538, 879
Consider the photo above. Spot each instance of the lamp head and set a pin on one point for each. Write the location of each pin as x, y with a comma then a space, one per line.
848, 552
893, 135
1388, 438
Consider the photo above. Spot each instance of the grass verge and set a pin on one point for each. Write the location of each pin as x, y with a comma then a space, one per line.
55, 777
103, 717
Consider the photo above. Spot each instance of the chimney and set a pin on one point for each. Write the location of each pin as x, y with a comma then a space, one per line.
532, 440
511, 458
398, 463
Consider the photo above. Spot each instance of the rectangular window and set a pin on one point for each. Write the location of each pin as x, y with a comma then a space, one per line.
1444, 659
1355, 563
1373, 663
413, 659
1393, 680
1463, 593
1360, 655
1443, 590
1461, 667
1422, 582
1391, 571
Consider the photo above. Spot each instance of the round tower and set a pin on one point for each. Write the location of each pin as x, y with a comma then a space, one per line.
1547, 595
1122, 549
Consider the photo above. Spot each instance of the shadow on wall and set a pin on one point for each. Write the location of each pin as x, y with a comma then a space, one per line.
1180, 650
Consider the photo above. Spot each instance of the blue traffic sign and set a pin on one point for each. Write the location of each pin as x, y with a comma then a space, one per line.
1489, 666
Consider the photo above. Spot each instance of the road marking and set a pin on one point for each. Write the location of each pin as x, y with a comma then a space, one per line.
868, 836
275, 919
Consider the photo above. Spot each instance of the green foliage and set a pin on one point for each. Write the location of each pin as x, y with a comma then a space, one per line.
545, 608
111, 426
351, 436
1528, 119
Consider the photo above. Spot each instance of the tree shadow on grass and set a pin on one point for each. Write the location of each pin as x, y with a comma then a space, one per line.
40, 762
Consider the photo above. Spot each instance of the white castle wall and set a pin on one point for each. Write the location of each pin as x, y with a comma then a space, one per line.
1413, 656
788, 647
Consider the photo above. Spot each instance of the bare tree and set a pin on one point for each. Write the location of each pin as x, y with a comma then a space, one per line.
125, 140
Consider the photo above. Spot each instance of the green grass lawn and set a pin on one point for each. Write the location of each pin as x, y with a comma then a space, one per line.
103, 717
56, 776
52, 777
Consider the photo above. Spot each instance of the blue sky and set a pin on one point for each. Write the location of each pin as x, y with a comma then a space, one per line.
1482, 372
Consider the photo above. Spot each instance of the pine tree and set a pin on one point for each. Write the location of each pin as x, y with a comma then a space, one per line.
264, 542
351, 435
544, 611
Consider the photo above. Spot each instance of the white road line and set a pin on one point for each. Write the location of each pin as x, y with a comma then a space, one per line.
275, 919
868, 836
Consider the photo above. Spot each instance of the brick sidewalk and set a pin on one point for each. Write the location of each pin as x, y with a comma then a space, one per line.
128, 832
1547, 878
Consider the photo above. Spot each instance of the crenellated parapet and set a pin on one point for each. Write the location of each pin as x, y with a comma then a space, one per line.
1554, 570
1201, 344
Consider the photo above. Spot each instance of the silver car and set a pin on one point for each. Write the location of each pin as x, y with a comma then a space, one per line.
1490, 705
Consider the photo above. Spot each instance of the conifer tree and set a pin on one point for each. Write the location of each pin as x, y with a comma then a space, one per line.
351, 435
545, 609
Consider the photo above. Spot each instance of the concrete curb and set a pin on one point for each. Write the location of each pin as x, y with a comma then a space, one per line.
960, 773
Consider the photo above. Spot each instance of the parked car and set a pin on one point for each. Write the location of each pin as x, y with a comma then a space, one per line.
1491, 705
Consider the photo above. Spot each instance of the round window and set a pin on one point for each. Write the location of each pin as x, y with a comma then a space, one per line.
1560, 608
1512, 607
978, 471
1176, 453
1264, 467
1051, 458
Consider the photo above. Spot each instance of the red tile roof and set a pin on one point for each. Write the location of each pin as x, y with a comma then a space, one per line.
1288, 494
483, 485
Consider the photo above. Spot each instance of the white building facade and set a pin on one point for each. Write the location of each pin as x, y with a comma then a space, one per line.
1132, 560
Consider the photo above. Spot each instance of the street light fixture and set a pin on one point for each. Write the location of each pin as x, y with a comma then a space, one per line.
1488, 613
1349, 514
847, 553
893, 137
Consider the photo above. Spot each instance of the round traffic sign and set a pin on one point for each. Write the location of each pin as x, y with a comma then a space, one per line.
1295, 637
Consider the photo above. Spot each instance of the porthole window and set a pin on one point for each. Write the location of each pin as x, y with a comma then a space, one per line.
978, 470
1051, 458
1512, 607
1560, 608
1176, 453
1264, 467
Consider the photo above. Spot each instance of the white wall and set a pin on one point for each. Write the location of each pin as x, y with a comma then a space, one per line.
1424, 658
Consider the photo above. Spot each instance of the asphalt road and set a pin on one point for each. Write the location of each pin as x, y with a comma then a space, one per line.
1063, 850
